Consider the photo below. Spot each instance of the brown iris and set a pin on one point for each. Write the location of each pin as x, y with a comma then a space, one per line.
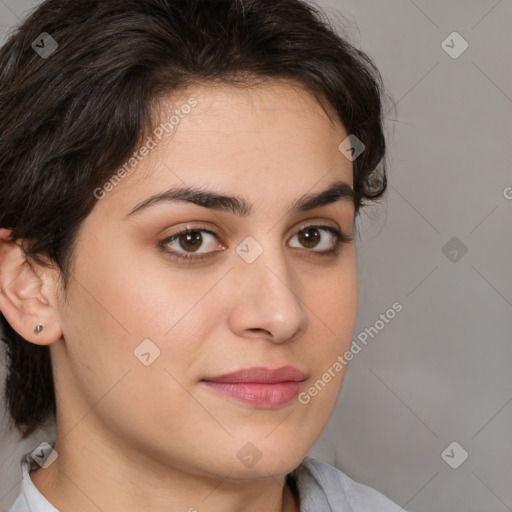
193, 238
310, 237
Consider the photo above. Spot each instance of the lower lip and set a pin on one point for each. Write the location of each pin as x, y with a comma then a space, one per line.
263, 396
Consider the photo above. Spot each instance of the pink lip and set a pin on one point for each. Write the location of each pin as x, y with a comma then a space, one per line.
259, 386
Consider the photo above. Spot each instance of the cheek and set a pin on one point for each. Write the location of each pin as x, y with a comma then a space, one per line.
335, 303
332, 321
111, 313
150, 309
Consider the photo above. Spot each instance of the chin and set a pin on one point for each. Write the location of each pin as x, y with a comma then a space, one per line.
267, 461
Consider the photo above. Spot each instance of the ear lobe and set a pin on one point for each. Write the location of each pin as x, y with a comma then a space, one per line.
27, 295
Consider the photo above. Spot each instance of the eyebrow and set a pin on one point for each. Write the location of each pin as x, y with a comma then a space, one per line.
337, 191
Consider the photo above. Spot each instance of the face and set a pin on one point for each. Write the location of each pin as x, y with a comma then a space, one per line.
150, 314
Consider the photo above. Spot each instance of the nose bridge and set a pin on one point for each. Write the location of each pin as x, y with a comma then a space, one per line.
267, 296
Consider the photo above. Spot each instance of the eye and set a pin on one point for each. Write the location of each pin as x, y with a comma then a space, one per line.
314, 237
190, 240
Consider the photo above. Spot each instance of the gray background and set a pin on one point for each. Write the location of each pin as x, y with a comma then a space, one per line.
438, 372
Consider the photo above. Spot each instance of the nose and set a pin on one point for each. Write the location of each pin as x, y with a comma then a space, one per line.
265, 298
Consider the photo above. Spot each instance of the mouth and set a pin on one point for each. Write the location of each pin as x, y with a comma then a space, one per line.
258, 386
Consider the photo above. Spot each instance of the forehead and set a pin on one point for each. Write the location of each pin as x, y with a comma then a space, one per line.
261, 108
270, 139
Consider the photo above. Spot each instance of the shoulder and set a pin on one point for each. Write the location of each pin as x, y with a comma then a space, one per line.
322, 487
29, 497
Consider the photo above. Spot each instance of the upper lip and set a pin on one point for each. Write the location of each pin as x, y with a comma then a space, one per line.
260, 374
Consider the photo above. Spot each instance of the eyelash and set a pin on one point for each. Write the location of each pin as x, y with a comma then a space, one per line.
340, 238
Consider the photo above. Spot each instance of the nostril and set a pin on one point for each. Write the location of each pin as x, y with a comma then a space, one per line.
258, 330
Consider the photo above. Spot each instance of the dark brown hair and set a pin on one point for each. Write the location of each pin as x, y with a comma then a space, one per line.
69, 120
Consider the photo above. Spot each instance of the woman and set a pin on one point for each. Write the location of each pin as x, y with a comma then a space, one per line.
180, 181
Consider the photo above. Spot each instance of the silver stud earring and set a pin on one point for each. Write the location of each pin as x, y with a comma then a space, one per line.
38, 328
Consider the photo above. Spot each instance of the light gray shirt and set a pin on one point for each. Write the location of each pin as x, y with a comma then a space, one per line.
321, 488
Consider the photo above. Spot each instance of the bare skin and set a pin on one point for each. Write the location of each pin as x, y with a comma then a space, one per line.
133, 437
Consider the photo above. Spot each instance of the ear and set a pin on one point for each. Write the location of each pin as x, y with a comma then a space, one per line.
28, 294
